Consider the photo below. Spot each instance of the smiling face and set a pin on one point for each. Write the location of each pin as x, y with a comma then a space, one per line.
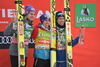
61, 20
46, 23
31, 16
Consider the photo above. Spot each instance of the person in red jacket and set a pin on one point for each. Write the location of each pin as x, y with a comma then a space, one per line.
41, 35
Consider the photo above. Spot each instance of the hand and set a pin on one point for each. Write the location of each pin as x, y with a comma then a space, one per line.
14, 18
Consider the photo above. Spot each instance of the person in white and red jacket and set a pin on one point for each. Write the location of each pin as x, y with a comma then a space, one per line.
41, 35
